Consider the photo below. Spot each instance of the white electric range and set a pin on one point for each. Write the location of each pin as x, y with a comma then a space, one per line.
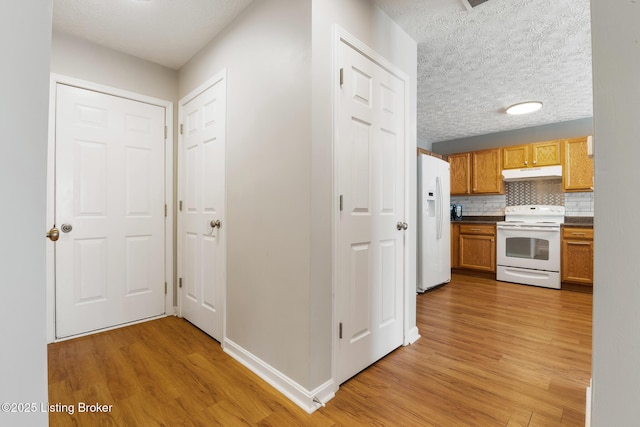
528, 245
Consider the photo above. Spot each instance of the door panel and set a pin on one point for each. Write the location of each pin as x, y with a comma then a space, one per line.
110, 188
202, 247
370, 169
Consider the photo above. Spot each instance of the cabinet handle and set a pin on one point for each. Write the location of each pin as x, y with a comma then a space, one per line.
579, 243
526, 163
535, 161
475, 229
579, 234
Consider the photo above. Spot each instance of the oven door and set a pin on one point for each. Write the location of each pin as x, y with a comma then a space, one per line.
529, 246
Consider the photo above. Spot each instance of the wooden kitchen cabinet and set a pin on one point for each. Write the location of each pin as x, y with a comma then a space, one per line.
476, 172
546, 153
577, 255
460, 171
577, 174
486, 167
515, 157
455, 235
477, 247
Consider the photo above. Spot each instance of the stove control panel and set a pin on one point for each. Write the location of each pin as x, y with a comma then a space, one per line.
535, 213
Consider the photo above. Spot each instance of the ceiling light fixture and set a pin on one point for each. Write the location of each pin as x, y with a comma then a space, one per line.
524, 107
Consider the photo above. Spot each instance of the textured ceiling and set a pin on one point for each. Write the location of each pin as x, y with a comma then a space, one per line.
167, 32
472, 64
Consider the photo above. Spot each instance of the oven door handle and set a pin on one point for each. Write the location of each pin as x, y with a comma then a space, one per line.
527, 228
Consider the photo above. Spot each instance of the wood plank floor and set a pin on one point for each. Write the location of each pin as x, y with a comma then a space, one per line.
491, 354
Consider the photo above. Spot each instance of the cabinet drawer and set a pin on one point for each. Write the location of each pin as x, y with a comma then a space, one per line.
577, 233
484, 229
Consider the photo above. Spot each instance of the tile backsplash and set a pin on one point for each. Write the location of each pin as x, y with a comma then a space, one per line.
578, 204
542, 192
545, 192
481, 205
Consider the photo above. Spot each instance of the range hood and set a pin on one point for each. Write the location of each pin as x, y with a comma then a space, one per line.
528, 174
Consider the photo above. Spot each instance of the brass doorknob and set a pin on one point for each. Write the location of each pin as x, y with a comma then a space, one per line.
215, 224
53, 234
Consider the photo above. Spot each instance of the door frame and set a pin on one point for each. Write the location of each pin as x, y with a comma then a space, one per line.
56, 79
410, 330
220, 76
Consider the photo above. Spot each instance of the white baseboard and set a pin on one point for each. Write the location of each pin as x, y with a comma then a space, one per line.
309, 400
587, 412
412, 336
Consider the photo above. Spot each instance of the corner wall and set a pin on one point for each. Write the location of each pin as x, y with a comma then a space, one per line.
616, 289
266, 52
25, 45
278, 56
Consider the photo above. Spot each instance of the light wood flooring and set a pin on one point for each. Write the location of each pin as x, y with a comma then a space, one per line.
491, 354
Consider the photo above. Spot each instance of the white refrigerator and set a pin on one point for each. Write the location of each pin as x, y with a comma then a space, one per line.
434, 230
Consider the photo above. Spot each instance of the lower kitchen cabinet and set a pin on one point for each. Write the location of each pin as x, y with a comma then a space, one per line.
577, 256
455, 235
477, 247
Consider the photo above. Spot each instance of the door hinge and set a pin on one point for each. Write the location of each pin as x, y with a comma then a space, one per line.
165, 210
165, 288
340, 330
341, 203
341, 76
166, 132
180, 205
181, 129
180, 282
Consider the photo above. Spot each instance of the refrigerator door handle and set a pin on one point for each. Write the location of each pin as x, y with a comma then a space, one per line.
439, 207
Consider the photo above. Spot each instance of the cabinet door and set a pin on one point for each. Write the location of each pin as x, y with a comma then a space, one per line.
578, 167
460, 167
486, 169
455, 234
577, 261
577, 255
545, 153
477, 252
515, 157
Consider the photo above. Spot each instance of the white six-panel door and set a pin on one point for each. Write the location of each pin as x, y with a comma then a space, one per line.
109, 206
202, 221
370, 180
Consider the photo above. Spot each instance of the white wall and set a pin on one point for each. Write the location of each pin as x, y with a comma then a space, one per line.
74, 57
266, 52
616, 295
25, 43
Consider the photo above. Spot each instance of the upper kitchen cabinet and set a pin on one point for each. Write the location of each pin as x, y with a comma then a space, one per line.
577, 172
477, 172
460, 171
486, 172
545, 153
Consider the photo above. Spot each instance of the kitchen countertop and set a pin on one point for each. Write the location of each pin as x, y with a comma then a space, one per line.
479, 220
569, 221
578, 221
